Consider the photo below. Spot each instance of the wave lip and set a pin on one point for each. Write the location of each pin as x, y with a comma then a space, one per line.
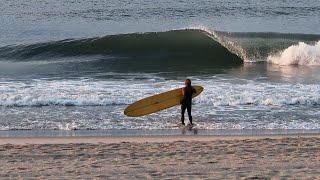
299, 54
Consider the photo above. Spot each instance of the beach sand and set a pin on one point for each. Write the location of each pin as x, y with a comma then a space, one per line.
171, 157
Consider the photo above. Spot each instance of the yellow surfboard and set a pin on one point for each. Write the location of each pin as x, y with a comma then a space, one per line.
157, 102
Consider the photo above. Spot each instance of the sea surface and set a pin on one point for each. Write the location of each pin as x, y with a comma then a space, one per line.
76, 64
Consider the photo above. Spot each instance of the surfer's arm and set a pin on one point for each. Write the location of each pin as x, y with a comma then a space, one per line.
183, 95
194, 91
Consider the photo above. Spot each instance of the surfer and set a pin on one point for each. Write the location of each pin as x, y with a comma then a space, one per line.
186, 101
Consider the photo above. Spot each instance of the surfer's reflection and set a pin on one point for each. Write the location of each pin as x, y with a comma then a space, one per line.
191, 130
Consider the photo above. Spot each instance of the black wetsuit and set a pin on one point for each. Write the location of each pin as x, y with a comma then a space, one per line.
186, 102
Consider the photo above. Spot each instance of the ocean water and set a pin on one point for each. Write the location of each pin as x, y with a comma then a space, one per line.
75, 65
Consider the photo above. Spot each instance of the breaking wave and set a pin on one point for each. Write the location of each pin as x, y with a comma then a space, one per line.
196, 49
300, 54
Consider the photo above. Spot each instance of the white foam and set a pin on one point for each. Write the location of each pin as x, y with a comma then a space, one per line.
299, 54
217, 93
261, 94
67, 126
82, 92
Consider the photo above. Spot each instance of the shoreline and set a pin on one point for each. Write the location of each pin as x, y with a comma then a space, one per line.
154, 132
145, 139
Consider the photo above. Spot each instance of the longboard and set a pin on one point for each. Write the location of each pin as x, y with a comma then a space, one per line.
158, 102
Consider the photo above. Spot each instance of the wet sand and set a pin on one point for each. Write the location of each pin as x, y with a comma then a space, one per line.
171, 157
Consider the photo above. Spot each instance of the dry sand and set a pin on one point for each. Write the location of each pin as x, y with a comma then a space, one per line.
172, 157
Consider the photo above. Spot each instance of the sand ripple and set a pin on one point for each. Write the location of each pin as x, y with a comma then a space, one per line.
232, 159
